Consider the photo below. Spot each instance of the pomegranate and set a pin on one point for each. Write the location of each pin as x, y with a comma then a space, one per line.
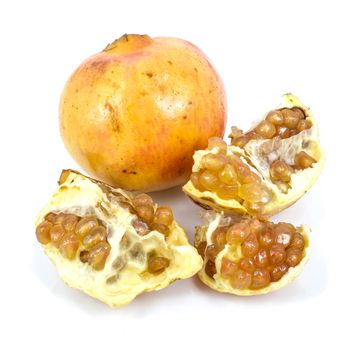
133, 114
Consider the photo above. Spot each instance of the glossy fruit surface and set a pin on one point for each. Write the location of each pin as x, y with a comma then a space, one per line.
133, 114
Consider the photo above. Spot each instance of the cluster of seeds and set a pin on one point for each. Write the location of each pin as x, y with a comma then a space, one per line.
71, 233
266, 251
230, 178
281, 172
149, 219
284, 123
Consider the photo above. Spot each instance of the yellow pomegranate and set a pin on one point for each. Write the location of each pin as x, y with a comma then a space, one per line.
133, 114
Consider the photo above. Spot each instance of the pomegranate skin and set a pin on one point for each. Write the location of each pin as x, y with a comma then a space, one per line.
133, 114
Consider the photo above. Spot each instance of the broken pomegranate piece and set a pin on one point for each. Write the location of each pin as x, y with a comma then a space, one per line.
110, 244
247, 256
264, 170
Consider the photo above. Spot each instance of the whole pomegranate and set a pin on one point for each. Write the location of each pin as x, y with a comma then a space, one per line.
133, 114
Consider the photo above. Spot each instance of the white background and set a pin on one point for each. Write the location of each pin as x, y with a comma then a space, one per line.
261, 49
